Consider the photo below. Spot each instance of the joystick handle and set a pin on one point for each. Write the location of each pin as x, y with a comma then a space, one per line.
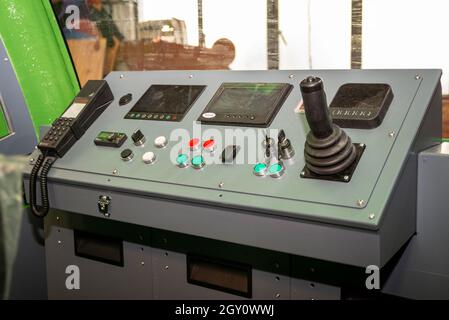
315, 107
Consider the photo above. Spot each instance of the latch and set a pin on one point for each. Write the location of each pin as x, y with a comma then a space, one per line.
103, 205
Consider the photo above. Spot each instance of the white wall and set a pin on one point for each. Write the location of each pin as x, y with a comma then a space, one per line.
329, 23
407, 34
396, 33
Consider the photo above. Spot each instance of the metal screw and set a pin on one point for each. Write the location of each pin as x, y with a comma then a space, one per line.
115, 172
122, 76
166, 267
57, 218
142, 263
391, 134
31, 160
362, 145
346, 178
371, 216
221, 185
418, 76
190, 76
59, 241
6, 59
278, 295
291, 76
361, 203
303, 173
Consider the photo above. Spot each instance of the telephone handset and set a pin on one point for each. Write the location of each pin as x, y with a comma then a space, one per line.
87, 106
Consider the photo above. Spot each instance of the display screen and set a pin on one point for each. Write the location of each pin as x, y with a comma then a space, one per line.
246, 103
165, 102
74, 110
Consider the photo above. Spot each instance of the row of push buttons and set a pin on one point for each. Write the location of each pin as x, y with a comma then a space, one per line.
183, 161
61, 126
274, 170
151, 116
239, 116
208, 145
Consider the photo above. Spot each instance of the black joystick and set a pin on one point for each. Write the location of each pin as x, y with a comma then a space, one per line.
328, 149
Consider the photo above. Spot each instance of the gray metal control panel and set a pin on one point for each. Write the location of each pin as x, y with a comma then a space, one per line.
173, 164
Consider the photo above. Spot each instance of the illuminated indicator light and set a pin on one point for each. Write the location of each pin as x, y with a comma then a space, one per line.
260, 169
182, 160
193, 143
209, 145
198, 162
276, 170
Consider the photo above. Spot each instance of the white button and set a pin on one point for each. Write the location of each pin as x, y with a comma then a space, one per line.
160, 142
149, 157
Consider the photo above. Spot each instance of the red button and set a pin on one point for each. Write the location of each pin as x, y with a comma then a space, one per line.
209, 145
193, 143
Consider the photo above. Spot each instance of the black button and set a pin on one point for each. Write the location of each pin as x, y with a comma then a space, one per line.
126, 155
125, 99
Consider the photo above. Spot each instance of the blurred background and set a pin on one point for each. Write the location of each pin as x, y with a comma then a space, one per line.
256, 35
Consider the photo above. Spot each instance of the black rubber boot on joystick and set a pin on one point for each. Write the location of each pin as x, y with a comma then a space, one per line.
328, 149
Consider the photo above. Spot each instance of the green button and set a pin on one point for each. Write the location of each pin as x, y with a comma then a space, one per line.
198, 162
181, 160
276, 168
260, 169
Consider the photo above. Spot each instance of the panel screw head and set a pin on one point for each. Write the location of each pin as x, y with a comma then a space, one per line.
142, 263
122, 76
346, 178
57, 218
190, 76
221, 185
371, 216
115, 172
31, 160
59, 242
361, 203
6, 59
303, 173
278, 295
291, 76
166, 267
418, 76
391, 134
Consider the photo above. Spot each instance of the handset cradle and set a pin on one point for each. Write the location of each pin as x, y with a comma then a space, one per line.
87, 106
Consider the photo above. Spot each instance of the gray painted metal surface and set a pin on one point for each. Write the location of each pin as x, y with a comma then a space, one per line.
423, 270
373, 182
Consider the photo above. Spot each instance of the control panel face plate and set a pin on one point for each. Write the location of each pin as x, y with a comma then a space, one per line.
233, 183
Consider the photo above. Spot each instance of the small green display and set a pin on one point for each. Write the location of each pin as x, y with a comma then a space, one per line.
110, 139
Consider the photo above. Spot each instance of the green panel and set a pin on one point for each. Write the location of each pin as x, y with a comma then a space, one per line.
4, 128
39, 57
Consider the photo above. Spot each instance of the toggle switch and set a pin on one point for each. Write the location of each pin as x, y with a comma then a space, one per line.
138, 138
